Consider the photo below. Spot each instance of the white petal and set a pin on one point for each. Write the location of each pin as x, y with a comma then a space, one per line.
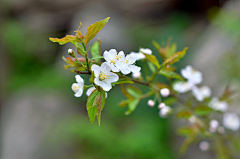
121, 65
96, 70
79, 79
112, 78
114, 68
138, 56
134, 68
105, 67
106, 86
107, 56
146, 51
90, 90
125, 71
97, 81
130, 59
79, 93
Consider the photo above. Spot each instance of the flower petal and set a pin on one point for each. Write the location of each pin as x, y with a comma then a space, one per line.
134, 68
79, 93
146, 51
97, 81
79, 79
105, 67
125, 71
114, 68
96, 69
106, 86
107, 56
130, 59
112, 78
90, 90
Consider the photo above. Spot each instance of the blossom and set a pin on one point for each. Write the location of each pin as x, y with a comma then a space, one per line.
182, 87
125, 64
204, 145
213, 125
165, 111
91, 89
165, 92
192, 119
139, 55
151, 103
111, 56
161, 105
193, 76
201, 93
78, 87
103, 76
136, 74
218, 105
231, 121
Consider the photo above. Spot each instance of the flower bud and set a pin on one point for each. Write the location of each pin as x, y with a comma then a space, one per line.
161, 105
151, 103
165, 112
136, 74
165, 92
204, 145
71, 53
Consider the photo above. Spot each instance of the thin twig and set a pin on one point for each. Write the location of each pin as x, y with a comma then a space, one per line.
81, 72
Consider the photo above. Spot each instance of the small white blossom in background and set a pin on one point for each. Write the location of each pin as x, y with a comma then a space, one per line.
213, 125
192, 119
194, 77
161, 105
112, 57
231, 121
136, 74
78, 87
139, 55
165, 92
103, 76
91, 89
201, 93
151, 103
182, 87
216, 104
165, 112
126, 64
221, 129
204, 145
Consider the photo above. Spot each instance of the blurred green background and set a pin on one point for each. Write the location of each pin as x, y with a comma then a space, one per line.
42, 118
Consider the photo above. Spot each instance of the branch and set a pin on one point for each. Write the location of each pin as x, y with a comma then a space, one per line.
81, 72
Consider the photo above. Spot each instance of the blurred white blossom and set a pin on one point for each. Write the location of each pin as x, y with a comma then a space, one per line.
151, 103
165, 92
161, 105
139, 55
201, 93
213, 125
194, 77
231, 121
216, 104
78, 87
204, 145
182, 87
192, 119
165, 112
136, 74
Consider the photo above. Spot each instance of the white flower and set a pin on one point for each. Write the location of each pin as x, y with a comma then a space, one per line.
103, 76
165, 92
218, 105
213, 125
204, 145
111, 56
91, 89
125, 64
231, 121
161, 105
201, 93
192, 119
78, 87
139, 55
136, 74
151, 103
193, 76
165, 112
182, 87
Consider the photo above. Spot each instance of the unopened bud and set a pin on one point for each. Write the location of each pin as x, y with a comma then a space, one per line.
161, 105
136, 74
71, 53
151, 103
165, 112
165, 92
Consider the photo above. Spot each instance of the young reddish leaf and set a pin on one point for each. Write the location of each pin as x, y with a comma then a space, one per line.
184, 114
132, 106
170, 74
152, 59
64, 40
123, 79
175, 57
94, 29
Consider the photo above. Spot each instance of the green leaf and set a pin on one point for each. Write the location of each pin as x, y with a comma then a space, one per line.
170, 100
123, 79
91, 79
79, 47
186, 143
94, 29
202, 110
151, 67
132, 106
184, 114
175, 57
95, 51
185, 131
134, 91
124, 103
64, 40
97, 58
170, 74
100, 101
152, 59
91, 108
